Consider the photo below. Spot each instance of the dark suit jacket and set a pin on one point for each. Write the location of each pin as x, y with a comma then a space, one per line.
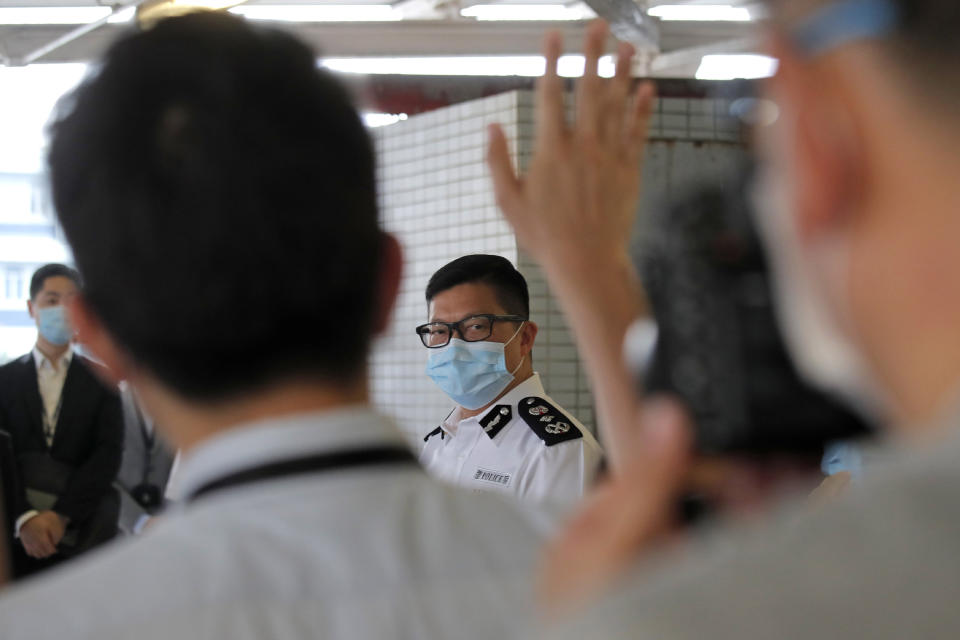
88, 436
10, 492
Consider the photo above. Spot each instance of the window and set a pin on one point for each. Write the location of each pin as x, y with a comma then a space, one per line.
13, 289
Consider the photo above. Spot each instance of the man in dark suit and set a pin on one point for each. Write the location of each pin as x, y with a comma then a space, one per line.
67, 435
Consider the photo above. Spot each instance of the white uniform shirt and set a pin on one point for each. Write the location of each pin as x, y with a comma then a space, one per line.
357, 552
551, 463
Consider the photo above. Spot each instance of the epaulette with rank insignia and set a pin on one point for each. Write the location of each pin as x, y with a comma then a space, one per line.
548, 422
438, 430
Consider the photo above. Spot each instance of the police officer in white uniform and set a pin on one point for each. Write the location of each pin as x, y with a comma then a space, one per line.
505, 434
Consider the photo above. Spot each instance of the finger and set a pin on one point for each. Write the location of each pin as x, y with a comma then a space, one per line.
551, 118
589, 95
506, 185
639, 124
39, 549
50, 544
621, 78
616, 112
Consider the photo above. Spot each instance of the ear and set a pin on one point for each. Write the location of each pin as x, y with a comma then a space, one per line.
528, 336
391, 273
818, 131
30, 309
94, 336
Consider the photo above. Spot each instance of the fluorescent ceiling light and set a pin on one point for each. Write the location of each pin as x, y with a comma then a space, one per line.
731, 67
701, 12
374, 120
320, 13
528, 12
568, 66
123, 15
173, 6
52, 15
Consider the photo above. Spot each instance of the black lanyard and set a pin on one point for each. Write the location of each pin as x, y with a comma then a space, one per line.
149, 440
370, 457
50, 422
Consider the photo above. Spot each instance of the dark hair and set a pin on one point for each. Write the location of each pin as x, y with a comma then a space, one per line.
51, 271
927, 45
218, 191
508, 284
924, 48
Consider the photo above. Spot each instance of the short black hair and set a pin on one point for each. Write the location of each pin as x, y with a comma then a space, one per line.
509, 285
51, 271
218, 191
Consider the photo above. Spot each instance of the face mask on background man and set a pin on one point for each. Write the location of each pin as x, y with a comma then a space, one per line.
53, 325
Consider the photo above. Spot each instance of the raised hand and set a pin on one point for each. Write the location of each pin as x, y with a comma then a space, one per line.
579, 197
573, 212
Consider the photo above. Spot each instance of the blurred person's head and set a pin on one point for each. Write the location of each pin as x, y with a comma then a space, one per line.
218, 192
489, 350
861, 196
52, 287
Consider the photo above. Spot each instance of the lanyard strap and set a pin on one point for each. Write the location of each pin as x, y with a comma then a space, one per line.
149, 441
370, 457
50, 422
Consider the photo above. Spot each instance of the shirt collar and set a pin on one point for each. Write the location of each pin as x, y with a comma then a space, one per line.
252, 444
41, 360
532, 386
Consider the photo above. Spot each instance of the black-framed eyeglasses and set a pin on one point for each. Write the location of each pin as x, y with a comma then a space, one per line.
476, 328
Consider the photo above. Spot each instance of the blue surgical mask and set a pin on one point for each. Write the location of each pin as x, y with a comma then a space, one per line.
473, 374
53, 325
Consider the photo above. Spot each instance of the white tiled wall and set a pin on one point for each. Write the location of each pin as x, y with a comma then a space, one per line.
435, 195
702, 119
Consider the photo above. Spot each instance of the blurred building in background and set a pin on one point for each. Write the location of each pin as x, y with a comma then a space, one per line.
29, 238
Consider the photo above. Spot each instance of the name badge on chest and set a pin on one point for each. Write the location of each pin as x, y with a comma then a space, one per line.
490, 476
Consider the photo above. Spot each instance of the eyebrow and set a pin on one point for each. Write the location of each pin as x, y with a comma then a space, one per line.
469, 315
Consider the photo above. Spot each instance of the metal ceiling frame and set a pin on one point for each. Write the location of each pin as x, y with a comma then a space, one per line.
70, 36
661, 47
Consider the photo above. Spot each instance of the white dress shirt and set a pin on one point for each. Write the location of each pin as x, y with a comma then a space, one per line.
498, 450
359, 553
50, 380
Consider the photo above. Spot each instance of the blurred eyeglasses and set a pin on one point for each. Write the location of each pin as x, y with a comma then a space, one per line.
839, 23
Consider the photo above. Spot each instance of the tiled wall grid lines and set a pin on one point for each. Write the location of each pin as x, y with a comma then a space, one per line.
435, 195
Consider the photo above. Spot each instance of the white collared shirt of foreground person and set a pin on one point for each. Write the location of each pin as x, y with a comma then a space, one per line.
506, 434
366, 549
